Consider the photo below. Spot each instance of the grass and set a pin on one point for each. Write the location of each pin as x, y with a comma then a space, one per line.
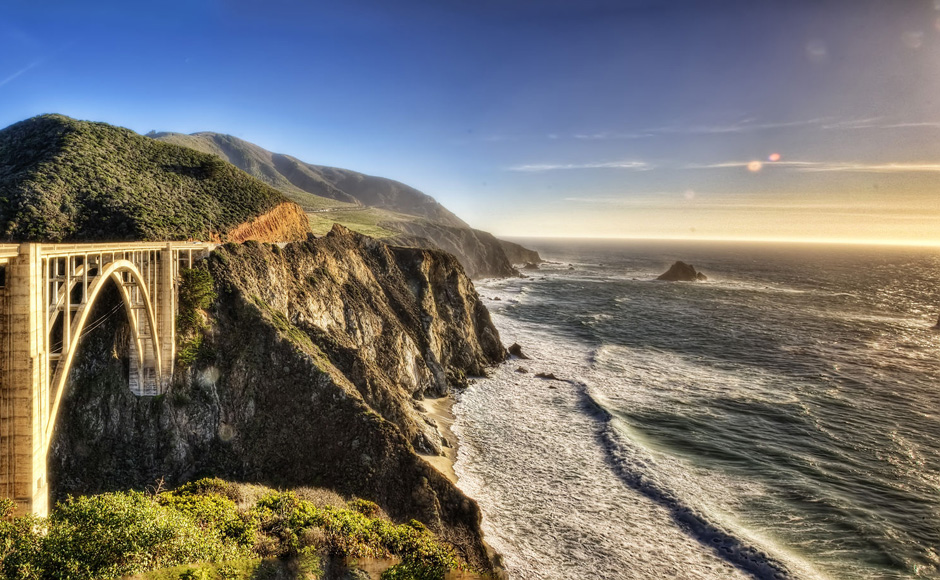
369, 221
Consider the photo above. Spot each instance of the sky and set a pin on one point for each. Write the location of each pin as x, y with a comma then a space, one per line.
797, 119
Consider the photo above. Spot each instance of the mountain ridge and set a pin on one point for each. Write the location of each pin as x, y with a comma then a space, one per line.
416, 218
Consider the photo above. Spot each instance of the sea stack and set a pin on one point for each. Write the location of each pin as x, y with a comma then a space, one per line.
682, 272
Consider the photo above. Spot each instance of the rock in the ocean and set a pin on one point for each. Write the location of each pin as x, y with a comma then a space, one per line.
682, 272
522, 370
516, 351
530, 266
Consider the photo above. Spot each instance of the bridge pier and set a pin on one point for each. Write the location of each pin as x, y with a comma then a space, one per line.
25, 386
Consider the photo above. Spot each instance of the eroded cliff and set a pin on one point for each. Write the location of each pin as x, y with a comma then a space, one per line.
313, 358
481, 254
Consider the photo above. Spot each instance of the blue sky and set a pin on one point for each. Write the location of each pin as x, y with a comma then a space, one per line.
607, 118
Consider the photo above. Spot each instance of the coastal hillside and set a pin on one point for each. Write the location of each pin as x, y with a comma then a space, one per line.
68, 180
375, 206
300, 366
298, 179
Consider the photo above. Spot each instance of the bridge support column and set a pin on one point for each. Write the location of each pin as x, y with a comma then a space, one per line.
165, 297
25, 386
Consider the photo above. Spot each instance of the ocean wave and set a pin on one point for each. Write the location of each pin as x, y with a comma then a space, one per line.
636, 472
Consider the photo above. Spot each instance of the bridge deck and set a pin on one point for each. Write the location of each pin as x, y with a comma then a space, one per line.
8, 251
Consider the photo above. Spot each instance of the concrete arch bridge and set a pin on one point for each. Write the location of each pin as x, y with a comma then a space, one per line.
47, 292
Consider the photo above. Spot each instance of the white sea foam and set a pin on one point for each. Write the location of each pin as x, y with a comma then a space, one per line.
552, 505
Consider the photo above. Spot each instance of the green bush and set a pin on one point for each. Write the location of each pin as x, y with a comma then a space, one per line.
196, 294
119, 534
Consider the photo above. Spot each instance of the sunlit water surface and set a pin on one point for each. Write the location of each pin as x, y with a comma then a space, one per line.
780, 420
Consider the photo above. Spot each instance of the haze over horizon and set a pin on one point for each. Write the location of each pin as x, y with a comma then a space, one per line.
725, 120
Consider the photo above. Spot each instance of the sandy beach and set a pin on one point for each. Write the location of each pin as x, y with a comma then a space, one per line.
440, 411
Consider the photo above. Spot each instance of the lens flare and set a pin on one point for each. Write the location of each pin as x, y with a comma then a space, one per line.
773, 157
754, 166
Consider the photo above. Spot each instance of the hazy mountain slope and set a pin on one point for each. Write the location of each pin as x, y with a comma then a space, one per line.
63, 179
293, 176
311, 191
384, 208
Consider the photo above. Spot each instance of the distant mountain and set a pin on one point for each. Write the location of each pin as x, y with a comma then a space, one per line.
372, 205
299, 180
68, 180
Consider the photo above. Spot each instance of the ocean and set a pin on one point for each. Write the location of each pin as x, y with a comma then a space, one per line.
780, 420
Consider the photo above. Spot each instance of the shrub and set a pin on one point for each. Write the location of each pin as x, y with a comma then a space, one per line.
196, 294
117, 534
120, 534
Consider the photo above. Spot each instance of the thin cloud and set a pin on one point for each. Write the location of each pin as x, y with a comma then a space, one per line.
745, 126
23, 70
877, 167
826, 166
539, 167
880, 123
744, 164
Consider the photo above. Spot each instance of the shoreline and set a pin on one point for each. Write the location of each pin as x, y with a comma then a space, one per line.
441, 411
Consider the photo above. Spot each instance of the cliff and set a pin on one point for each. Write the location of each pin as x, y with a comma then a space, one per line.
68, 180
480, 252
311, 363
287, 221
518, 254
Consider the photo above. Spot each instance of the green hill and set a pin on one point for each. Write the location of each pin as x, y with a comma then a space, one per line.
68, 180
300, 181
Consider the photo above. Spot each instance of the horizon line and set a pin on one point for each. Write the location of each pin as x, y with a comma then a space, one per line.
827, 241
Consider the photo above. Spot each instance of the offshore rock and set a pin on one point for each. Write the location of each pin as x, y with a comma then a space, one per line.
682, 272
308, 375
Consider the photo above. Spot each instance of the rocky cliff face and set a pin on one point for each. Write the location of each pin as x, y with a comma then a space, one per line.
313, 360
286, 222
518, 254
481, 254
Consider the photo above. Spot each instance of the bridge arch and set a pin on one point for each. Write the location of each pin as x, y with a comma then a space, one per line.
125, 274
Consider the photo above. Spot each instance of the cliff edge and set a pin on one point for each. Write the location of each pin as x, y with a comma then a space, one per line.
312, 359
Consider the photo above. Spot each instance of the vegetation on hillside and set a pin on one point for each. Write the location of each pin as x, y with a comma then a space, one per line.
261, 164
372, 221
195, 296
306, 183
213, 521
62, 179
